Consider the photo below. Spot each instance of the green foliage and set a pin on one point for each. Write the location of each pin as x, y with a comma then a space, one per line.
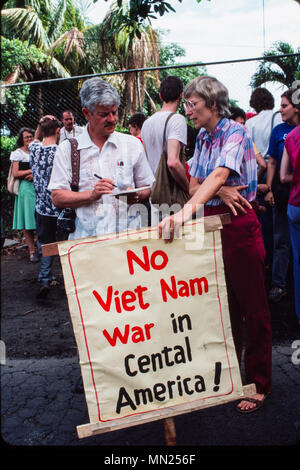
233, 102
169, 55
16, 98
46, 24
140, 10
16, 57
122, 129
15, 52
73, 18
8, 144
284, 70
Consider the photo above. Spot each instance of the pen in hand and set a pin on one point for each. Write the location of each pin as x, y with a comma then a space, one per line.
100, 178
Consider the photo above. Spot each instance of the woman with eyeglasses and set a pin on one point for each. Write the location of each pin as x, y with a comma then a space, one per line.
24, 208
224, 179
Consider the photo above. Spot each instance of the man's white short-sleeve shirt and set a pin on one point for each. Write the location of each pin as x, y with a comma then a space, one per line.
260, 127
108, 214
152, 134
75, 132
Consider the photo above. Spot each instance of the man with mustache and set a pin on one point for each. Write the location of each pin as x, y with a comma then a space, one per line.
117, 160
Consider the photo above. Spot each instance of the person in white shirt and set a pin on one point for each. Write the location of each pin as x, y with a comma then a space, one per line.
24, 206
260, 126
171, 92
69, 129
119, 159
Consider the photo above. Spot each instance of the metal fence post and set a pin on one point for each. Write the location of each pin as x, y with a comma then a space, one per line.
137, 84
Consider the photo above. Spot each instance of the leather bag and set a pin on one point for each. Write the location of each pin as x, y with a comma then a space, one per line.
12, 183
165, 189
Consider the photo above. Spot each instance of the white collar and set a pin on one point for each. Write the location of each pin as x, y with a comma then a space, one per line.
85, 141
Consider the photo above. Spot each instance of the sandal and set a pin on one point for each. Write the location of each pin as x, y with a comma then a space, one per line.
258, 404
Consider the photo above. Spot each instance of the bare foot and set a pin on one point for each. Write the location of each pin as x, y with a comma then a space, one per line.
247, 405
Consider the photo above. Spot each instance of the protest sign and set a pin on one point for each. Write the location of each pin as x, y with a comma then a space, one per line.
151, 323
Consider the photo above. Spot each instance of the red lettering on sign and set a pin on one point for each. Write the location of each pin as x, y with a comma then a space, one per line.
124, 301
146, 262
138, 334
145, 265
186, 289
105, 305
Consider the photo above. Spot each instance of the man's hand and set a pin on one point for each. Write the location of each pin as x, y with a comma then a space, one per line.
262, 188
103, 186
133, 198
233, 199
269, 198
136, 197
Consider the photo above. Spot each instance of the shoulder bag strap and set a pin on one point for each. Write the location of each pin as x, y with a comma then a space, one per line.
273, 119
75, 161
164, 137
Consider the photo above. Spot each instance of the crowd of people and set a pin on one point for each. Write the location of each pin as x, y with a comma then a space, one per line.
248, 166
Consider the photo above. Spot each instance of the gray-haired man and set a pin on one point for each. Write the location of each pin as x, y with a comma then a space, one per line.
119, 159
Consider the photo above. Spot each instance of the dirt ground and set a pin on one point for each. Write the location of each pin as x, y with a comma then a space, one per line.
42, 328
29, 327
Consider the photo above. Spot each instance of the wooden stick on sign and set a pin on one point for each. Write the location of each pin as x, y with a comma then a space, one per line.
170, 431
210, 223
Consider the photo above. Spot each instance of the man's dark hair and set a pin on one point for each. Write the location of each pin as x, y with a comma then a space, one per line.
261, 99
235, 112
67, 111
293, 96
137, 119
170, 88
20, 140
49, 126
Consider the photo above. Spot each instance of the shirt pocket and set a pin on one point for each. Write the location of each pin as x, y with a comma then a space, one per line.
124, 174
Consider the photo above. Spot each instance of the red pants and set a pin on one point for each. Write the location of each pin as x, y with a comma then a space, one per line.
243, 255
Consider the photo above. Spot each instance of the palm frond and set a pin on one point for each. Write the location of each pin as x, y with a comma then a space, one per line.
276, 68
73, 39
57, 19
267, 75
58, 69
26, 26
13, 77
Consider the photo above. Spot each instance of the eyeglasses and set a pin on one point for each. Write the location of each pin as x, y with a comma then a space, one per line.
190, 105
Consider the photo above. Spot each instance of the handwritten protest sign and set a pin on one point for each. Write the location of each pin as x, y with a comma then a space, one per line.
151, 322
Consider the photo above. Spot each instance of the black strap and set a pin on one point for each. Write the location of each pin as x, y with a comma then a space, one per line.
75, 162
167, 120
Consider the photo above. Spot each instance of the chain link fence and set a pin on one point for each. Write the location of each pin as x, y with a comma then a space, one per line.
24, 103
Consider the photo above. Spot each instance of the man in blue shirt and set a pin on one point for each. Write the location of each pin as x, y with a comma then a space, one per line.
278, 194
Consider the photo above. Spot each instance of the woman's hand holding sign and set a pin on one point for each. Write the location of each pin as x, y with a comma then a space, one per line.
169, 228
